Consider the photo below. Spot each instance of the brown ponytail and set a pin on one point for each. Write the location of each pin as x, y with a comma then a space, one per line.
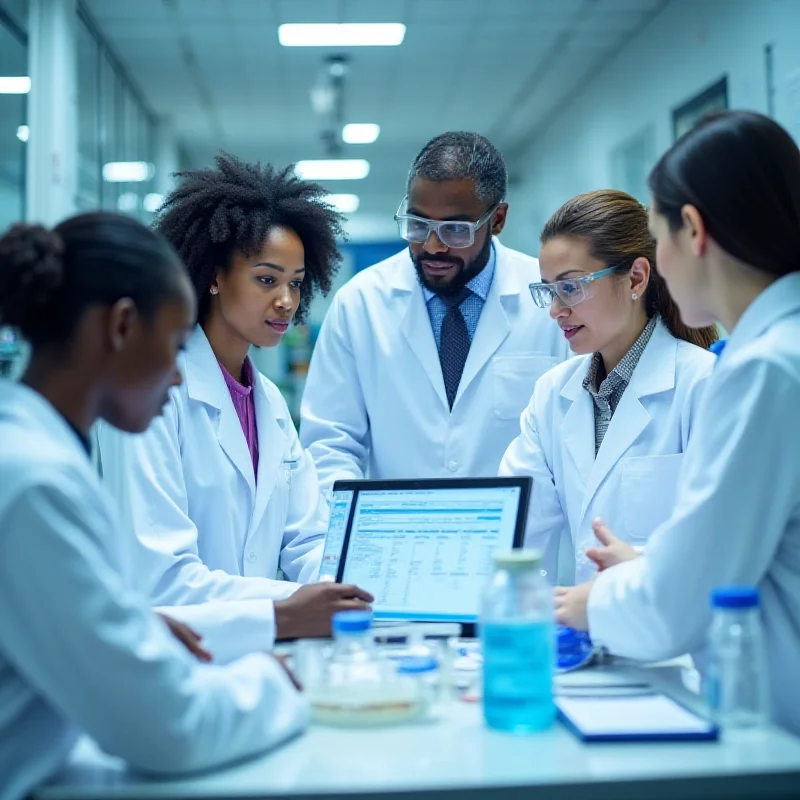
615, 226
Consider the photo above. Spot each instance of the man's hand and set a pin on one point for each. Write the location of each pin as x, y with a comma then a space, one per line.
188, 637
571, 604
307, 613
614, 551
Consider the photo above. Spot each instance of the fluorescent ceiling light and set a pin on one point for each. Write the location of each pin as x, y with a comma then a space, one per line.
127, 171
361, 132
128, 201
343, 203
23, 133
341, 169
18, 85
359, 34
152, 202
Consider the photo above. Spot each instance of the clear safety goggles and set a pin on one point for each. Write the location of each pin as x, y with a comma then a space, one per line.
451, 233
569, 291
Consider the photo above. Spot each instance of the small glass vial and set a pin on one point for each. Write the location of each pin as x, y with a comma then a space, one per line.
424, 670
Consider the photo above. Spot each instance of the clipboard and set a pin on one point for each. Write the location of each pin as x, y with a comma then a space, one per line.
634, 717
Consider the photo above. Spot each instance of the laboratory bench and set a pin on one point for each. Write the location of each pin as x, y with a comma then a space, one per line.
454, 756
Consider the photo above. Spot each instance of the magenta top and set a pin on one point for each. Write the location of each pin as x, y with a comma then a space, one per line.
244, 403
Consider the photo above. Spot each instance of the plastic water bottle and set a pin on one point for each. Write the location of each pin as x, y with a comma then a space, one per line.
518, 636
736, 681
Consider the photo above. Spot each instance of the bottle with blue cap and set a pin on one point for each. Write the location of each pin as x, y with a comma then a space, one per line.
354, 643
517, 631
736, 679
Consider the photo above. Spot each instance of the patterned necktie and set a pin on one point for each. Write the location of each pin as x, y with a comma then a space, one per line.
454, 346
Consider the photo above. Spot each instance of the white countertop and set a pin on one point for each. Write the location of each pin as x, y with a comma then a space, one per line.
456, 752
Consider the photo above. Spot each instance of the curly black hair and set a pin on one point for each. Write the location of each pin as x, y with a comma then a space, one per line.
215, 212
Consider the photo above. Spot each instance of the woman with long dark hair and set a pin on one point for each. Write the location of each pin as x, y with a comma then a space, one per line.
726, 214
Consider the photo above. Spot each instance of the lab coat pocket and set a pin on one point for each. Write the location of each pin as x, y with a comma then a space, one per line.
513, 379
649, 485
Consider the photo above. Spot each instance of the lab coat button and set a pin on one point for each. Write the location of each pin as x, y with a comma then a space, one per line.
252, 558
453, 466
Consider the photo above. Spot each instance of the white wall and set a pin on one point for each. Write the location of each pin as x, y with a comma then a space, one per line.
687, 47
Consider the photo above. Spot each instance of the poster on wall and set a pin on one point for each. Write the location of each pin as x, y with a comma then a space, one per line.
688, 114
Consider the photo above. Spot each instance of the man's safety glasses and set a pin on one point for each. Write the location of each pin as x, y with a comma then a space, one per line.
451, 233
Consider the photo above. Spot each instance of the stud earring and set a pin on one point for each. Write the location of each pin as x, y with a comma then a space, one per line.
634, 296
214, 290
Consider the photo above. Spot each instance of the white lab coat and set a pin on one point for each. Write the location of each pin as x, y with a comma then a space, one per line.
737, 511
631, 483
210, 530
80, 647
375, 403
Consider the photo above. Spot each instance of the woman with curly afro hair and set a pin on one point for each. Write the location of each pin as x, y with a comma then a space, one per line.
219, 489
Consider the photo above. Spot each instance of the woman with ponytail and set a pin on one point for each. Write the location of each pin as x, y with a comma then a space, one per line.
605, 432
105, 305
726, 214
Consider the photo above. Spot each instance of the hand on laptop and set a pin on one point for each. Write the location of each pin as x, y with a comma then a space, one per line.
307, 613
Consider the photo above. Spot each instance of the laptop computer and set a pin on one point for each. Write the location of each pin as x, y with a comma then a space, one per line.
423, 548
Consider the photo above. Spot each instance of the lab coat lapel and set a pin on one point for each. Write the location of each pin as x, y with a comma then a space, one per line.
577, 426
654, 373
206, 384
415, 325
494, 324
271, 449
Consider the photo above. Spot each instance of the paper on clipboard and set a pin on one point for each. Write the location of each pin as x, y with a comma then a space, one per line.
650, 715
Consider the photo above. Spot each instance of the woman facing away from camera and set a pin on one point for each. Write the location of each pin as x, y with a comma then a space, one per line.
726, 216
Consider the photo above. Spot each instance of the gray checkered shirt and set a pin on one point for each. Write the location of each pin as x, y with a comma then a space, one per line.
607, 396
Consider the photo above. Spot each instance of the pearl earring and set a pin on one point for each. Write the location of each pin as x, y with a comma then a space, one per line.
214, 290
634, 296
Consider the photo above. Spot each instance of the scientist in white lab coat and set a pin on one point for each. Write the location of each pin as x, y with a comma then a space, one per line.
426, 360
604, 433
219, 490
105, 304
726, 214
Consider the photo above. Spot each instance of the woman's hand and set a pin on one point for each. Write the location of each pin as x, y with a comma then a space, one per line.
571, 605
613, 551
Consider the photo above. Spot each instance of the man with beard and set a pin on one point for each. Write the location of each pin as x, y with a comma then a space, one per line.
425, 361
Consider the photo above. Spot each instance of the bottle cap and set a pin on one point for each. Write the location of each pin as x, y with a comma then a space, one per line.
735, 597
414, 665
352, 621
517, 559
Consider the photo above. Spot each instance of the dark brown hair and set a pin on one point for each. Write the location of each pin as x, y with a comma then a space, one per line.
49, 278
741, 171
614, 225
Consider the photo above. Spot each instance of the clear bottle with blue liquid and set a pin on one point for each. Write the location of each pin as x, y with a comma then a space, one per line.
517, 632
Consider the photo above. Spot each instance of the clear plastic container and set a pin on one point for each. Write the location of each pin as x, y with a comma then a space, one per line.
518, 634
424, 670
736, 680
359, 687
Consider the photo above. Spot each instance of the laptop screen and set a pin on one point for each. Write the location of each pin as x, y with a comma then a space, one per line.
341, 503
425, 553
